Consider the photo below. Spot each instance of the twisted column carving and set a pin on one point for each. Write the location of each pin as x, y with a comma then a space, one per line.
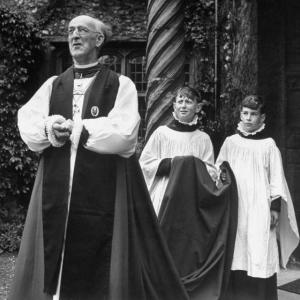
165, 59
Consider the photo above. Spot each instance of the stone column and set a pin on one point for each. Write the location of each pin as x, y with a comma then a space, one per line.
165, 59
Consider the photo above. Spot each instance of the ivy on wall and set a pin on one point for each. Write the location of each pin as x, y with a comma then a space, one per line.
229, 93
199, 31
238, 55
19, 52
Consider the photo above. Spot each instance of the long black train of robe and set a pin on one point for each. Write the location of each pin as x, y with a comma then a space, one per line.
199, 223
141, 265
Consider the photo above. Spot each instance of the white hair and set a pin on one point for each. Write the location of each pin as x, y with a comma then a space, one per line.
104, 28
101, 27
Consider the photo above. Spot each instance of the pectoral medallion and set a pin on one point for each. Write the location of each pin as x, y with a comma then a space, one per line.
95, 111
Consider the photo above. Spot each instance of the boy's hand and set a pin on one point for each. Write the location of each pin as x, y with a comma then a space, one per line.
223, 175
274, 219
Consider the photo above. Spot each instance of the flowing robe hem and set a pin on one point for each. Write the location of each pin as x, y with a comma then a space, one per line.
137, 273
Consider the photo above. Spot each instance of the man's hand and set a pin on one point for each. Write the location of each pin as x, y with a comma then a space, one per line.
274, 219
62, 130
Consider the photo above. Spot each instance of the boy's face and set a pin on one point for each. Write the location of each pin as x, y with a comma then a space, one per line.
185, 108
252, 119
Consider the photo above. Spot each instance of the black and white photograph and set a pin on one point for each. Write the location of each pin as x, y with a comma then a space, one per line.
150, 149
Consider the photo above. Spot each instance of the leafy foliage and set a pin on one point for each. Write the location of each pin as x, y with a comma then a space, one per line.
20, 50
229, 93
199, 31
238, 58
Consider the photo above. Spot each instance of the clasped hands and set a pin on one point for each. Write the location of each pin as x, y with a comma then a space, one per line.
63, 130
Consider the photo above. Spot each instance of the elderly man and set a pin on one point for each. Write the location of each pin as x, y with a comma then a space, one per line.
81, 239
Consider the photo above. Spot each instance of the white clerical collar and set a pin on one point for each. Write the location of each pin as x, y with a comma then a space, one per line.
86, 66
193, 122
246, 133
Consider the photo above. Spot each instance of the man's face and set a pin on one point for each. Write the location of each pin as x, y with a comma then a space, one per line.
185, 108
84, 40
251, 119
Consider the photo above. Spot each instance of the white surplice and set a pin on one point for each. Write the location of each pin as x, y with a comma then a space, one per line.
259, 174
168, 143
114, 134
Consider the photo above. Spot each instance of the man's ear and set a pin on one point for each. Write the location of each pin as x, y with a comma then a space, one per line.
263, 117
99, 40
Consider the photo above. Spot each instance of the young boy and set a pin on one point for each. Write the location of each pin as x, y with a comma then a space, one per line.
195, 216
265, 209
180, 138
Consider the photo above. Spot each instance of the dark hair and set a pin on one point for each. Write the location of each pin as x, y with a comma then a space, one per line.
253, 102
189, 92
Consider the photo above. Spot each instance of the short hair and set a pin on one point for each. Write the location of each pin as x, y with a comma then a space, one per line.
104, 28
189, 92
100, 26
253, 102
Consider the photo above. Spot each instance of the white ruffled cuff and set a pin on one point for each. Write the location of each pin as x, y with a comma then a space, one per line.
49, 130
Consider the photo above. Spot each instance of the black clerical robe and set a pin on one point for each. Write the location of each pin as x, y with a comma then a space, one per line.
141, 266
199, 224
106, 230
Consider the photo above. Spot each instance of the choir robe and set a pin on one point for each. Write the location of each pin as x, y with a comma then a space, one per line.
257, 165
133, 271
169, 142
